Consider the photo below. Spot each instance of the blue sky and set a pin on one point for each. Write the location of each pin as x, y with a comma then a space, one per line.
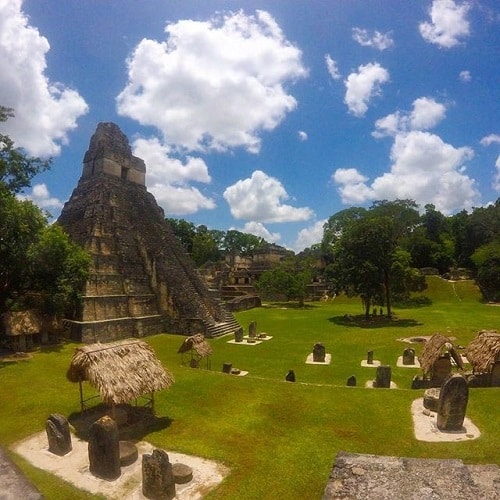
262, 116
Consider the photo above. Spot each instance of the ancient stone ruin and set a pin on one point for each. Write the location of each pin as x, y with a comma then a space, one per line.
319, 353
453, 399
142, 282
104, 449
157, 476
58, 434
383, 377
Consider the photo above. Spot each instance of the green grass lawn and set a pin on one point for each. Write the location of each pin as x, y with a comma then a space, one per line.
279, 439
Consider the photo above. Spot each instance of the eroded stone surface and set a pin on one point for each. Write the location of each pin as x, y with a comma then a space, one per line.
375, 477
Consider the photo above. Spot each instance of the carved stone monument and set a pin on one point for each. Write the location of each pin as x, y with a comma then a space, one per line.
58, 434
290, 376
453, 399
104, 449
227, 367
409, 356
369, 357
157, 476
383, 377
238, 335
252, 329
351, 381
319, 353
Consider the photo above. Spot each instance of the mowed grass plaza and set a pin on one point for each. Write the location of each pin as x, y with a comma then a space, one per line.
279, 439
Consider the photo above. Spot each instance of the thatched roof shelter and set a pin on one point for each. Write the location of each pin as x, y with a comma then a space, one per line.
433, 349
197, 343
197, 347
121, 371
484, 351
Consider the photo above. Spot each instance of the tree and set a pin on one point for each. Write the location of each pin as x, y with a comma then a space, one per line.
58, 269
487, 261
34, 257
185, 232
205, 247
20, 225
16, 168
290, 279
365, 256
238, 243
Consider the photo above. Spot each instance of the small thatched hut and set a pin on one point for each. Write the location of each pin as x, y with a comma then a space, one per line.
483, 354
194, 349
121, 371
435, 359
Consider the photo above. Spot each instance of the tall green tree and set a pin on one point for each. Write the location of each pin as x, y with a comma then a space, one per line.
16, 167
487, 262
365, 251
58, 270
290, 279
34, 257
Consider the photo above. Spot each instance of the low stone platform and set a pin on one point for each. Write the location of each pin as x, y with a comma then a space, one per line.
310, 360
375, 477
74, 468
400, 364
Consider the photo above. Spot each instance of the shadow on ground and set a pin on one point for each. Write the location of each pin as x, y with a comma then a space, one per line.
360, 321
134, 422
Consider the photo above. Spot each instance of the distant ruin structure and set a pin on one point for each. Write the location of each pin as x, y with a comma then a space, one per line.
142, 281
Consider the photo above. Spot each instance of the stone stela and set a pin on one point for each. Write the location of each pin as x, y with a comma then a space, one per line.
452, 404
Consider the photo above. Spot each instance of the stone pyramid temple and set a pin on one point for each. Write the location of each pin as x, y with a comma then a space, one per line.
142, 281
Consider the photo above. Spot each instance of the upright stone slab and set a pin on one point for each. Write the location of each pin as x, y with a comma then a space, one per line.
238, 335
453, 399
227, 367
290, 376
369, 357
409, 356
58, 434
383, 377
252, 329
157, 476
351, 381
319, 353
104, 449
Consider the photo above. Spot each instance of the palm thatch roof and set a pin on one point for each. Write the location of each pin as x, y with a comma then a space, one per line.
121, 371
197, 343
433, 349
484, 351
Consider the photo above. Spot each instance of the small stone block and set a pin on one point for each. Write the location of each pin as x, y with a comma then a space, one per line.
182, 473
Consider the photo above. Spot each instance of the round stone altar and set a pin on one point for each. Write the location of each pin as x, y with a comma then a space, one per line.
128, 453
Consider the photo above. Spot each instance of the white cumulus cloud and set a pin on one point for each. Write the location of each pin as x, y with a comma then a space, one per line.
169, 178
309, 236
260, 199
448, 24
258, 229
490, 139
424, 168
44, 111
363, 85
331, 66
213, 85
375, 39
41, 197
426, 114
302, 135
